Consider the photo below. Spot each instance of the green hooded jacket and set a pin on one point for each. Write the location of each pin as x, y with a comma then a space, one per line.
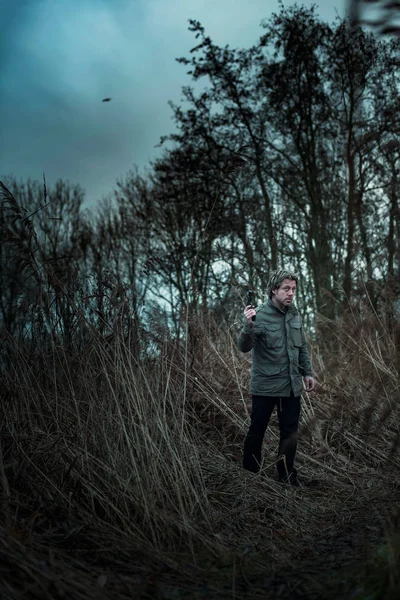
280, 353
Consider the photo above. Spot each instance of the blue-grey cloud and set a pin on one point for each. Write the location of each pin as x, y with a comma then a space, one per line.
59, 60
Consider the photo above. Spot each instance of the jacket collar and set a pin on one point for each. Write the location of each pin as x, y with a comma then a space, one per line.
291, 311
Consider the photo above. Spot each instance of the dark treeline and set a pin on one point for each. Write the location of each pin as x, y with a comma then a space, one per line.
287, 157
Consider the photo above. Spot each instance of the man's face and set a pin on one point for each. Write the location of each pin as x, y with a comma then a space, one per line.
283, 296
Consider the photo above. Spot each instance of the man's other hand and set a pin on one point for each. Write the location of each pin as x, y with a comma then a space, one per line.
249, 312
310, 383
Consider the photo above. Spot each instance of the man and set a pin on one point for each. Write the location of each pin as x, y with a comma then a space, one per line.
280, 361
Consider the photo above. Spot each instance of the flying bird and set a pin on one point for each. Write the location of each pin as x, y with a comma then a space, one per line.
106, 99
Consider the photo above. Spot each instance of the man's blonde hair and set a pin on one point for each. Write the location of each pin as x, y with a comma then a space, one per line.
276, 277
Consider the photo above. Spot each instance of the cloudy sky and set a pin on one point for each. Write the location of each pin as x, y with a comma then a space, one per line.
59, 58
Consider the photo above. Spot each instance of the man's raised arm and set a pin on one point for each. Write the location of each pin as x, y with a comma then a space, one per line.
246, 337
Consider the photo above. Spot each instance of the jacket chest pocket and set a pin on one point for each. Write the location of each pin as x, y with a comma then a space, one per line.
273, 335
295, 332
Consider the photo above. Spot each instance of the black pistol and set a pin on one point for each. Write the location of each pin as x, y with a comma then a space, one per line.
250, 301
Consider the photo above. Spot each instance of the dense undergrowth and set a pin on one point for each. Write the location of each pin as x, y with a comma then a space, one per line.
121, 468
122, 477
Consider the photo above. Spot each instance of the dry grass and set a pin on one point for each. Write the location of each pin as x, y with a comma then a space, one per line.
122, 478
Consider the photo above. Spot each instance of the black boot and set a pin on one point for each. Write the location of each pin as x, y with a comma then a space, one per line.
291, 479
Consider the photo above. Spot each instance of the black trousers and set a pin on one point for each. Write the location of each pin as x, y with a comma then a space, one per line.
288, 414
